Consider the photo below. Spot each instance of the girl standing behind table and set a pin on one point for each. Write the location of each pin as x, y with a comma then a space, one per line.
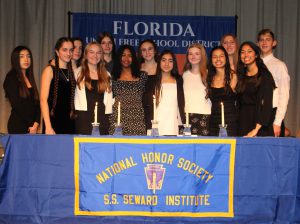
169, 95
148, 56
21, 90
128, 86
57, 91
255, 91
195, 89
222, 82
93, 85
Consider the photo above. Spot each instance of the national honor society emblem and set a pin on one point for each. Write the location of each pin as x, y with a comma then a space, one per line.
155, 174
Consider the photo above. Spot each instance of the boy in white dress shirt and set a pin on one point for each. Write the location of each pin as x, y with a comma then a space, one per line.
267, 42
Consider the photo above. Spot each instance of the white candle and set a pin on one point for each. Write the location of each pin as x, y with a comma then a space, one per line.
96, 113
154, 108
222, 115
119, 113
187, 114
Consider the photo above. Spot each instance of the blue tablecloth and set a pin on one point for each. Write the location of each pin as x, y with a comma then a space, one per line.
37, 183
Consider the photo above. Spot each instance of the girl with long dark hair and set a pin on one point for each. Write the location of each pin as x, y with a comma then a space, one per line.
148, 57
57, 91
77, 52
21, 91
128, 86
222, 81
255, 89
169, 95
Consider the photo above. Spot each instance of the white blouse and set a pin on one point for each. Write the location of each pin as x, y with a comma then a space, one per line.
167, 110
194, 94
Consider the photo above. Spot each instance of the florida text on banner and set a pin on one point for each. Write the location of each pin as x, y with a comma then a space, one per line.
154, 177
171, 32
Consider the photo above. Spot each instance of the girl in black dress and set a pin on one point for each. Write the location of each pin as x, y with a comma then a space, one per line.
128, 86
93, 84
21, 91
221, 82
255, 89
148, 57
57, 91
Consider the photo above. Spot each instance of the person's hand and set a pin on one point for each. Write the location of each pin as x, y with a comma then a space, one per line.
33, 129
50, 131
277, 130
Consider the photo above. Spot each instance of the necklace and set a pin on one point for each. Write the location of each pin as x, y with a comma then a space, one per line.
66, 77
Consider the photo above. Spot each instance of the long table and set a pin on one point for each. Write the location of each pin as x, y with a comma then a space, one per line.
37, 183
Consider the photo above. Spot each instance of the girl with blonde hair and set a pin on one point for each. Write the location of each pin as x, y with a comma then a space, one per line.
93, 87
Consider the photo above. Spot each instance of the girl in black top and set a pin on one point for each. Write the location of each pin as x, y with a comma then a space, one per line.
93, 82
57, 91
255, 89
222, 82
21, 91
148, 57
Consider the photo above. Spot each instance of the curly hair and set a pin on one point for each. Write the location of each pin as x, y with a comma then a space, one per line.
117, 68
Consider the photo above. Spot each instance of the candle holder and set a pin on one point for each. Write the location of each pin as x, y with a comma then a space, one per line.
187, 130
118, 130
95, 130
154, 129
223, 130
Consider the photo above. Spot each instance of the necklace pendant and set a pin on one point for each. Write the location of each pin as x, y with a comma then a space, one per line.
67, 78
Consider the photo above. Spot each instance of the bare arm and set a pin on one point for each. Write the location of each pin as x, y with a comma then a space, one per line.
254, 132
47, 76
233, 81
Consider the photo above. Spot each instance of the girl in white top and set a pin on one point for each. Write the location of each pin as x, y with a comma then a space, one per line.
169, 95
195, 91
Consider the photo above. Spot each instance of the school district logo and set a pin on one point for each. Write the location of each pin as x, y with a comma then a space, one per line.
155, 174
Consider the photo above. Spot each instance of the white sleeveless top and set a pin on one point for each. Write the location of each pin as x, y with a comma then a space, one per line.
195, 93
167, 110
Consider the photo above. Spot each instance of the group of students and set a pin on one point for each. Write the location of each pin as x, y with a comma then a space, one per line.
137, 88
